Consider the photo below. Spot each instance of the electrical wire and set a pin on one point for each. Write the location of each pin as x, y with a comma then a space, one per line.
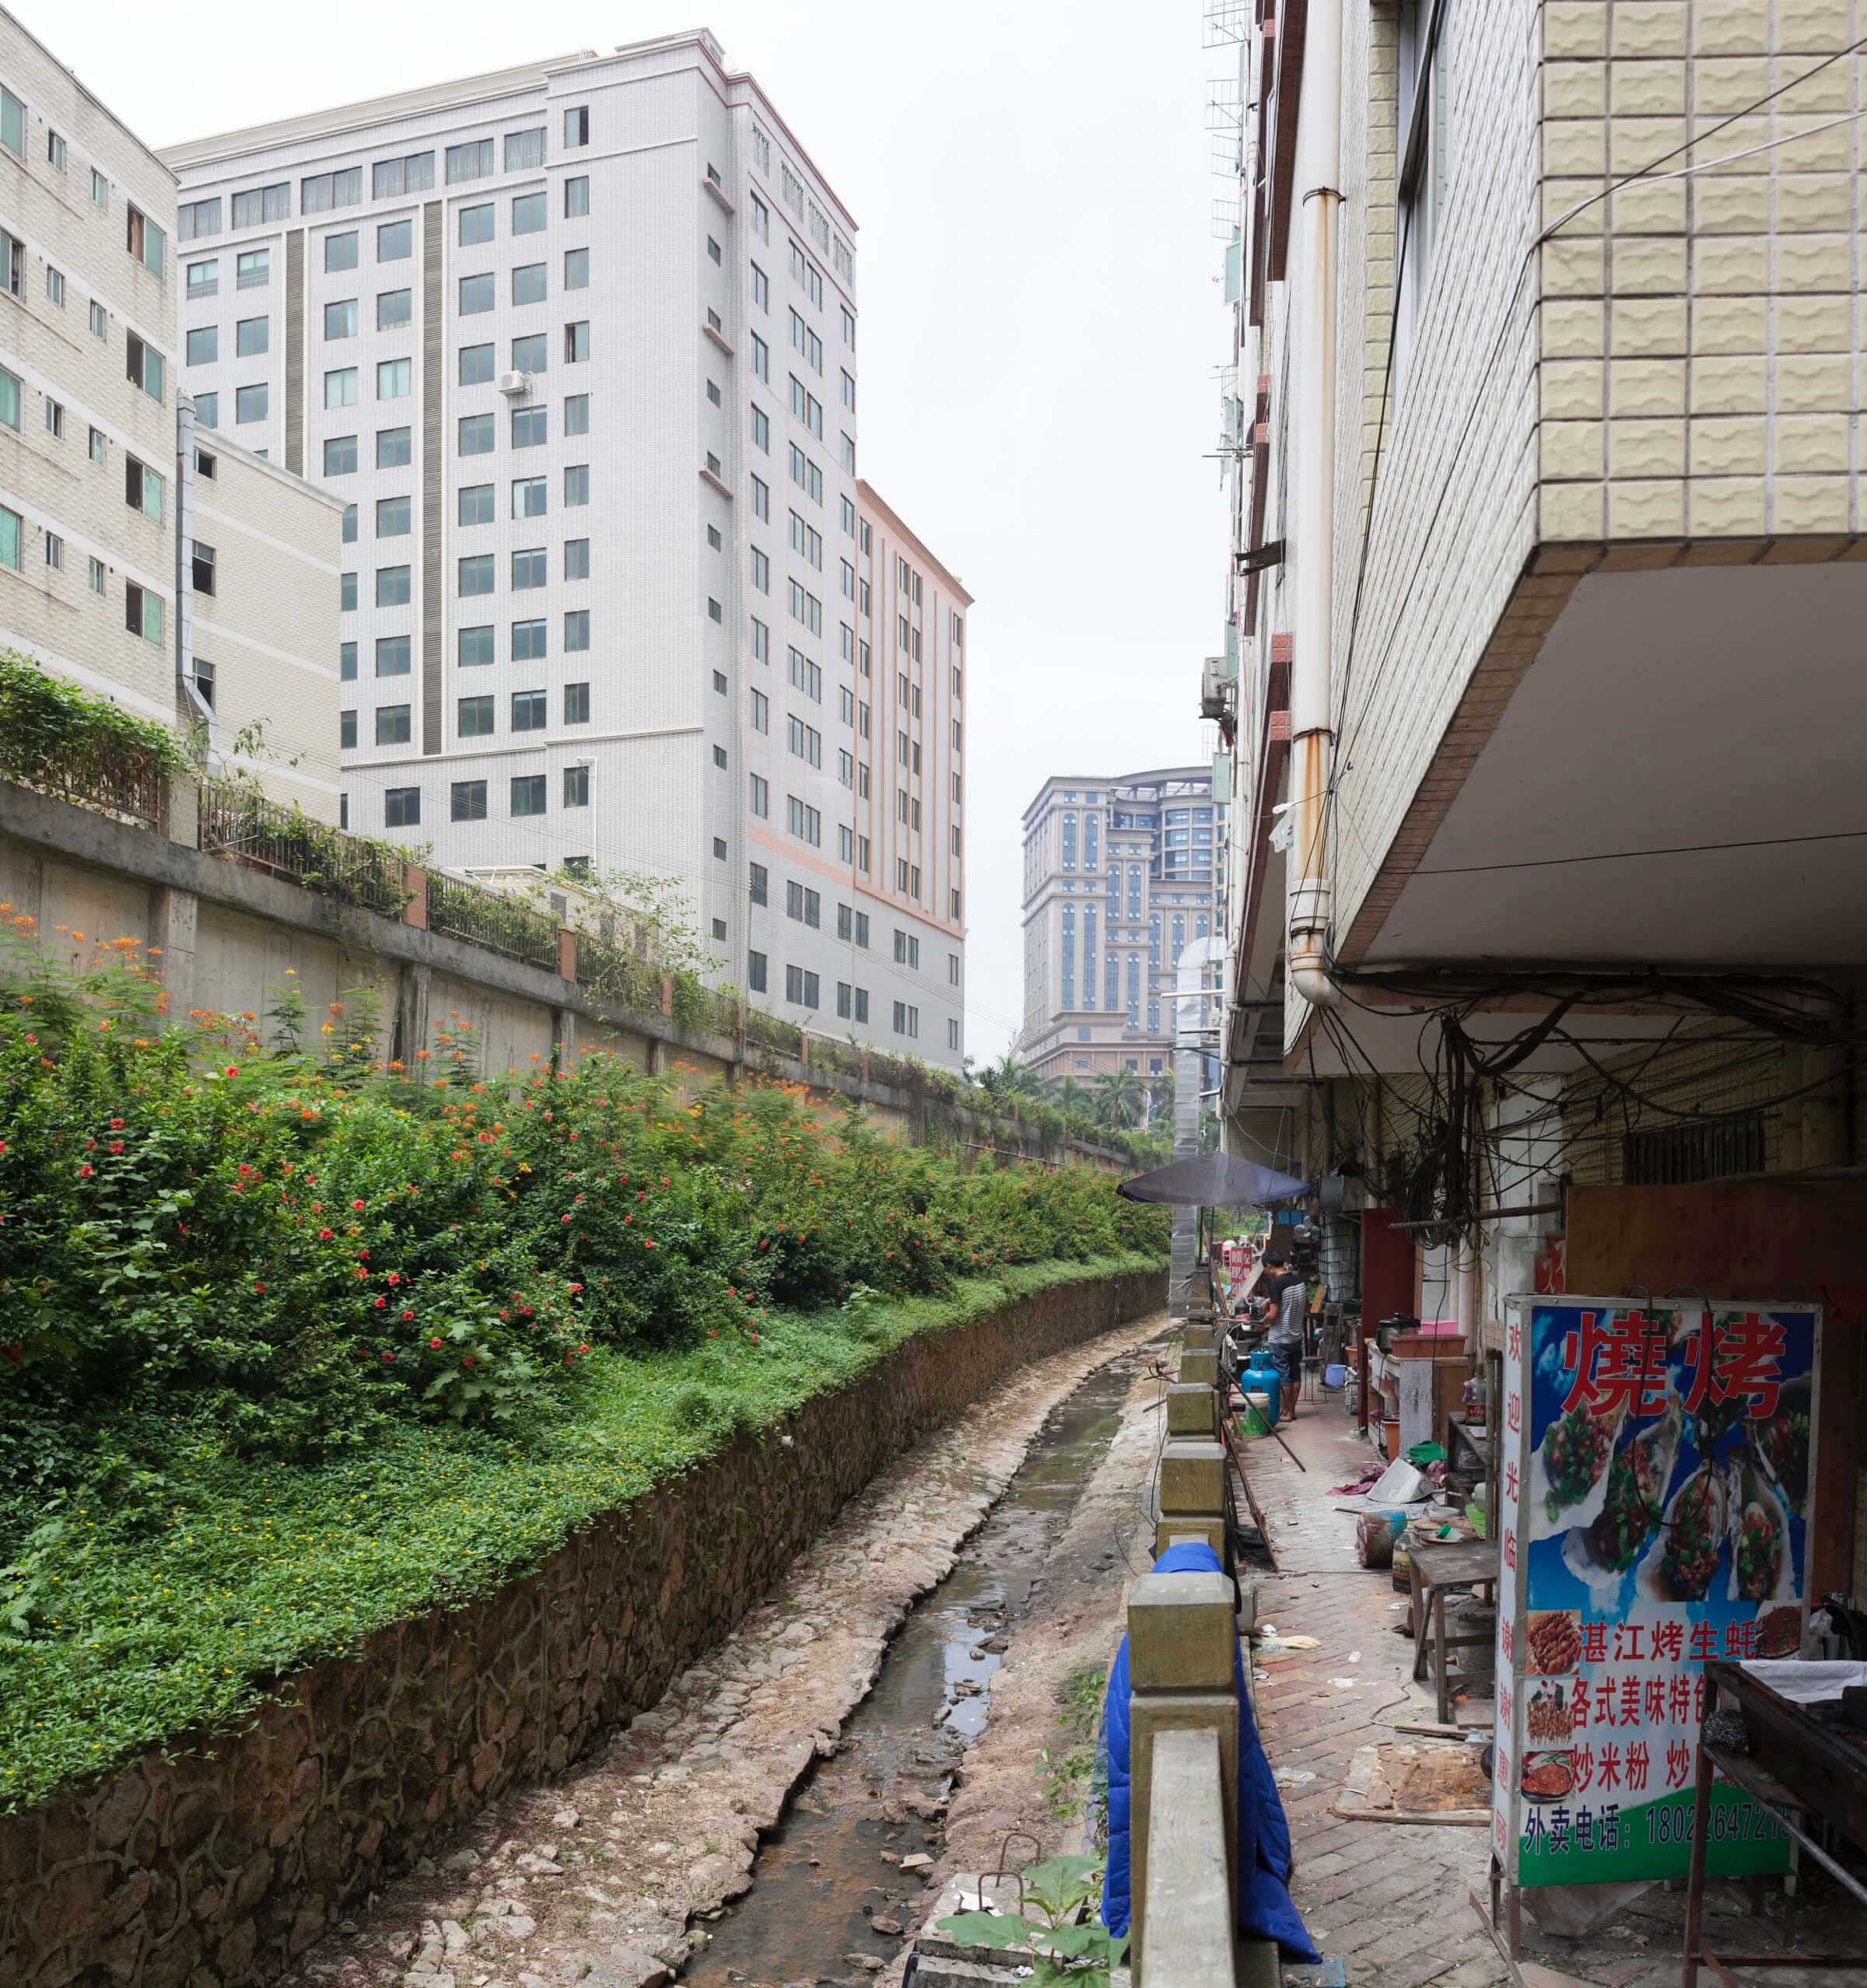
1486, 371
1634, 856
1453, 1140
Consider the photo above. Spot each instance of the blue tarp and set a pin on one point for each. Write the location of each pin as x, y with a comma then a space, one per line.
1264, 1857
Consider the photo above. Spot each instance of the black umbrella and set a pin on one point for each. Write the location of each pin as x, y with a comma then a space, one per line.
1213, 1180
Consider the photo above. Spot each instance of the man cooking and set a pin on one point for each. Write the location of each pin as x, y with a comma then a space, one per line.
1282, 1289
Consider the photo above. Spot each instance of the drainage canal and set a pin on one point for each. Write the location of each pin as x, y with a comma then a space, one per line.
828, 1885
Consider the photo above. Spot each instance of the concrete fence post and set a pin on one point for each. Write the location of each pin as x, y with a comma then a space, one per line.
667, 994
1192, 1492
1181, 1680
1193, 1463
179, 809
415, 896
567, 954
1193, 1411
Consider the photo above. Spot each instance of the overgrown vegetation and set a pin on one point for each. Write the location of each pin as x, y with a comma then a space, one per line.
1073, 1771
1057, 1926
65, 741
295, 1341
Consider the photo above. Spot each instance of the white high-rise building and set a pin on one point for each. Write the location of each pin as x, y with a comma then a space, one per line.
576, 342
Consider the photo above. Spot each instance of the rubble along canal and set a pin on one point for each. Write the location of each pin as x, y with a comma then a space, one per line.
827, 1884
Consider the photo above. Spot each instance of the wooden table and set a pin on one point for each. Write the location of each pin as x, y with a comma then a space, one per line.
1813, 1769
1457, 1563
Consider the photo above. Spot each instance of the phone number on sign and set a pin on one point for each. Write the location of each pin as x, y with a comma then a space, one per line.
1739, 1823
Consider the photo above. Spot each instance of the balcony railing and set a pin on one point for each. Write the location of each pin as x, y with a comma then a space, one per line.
76, 747
494, 919
239, 822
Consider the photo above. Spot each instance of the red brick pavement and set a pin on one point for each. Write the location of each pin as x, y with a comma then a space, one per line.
1389, 1898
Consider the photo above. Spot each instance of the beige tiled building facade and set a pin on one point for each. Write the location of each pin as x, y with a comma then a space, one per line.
1619, 459
259, 538
93, 581
1548, 581
86, 294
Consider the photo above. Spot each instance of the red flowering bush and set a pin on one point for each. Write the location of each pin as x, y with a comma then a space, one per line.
297, 1250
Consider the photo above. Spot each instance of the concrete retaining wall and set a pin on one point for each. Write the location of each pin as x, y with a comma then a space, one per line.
220, 1865
225, 935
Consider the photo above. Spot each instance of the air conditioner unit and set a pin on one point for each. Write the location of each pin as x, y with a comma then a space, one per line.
1218, 689
515, 382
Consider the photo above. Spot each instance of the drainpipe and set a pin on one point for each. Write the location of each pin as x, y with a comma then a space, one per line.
1193, 1042
1312, 694
190, 701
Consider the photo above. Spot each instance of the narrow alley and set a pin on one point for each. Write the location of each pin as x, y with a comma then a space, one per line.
1355, 1881
1394, 1902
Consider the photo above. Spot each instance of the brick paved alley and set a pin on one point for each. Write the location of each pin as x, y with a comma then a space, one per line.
1389, 1898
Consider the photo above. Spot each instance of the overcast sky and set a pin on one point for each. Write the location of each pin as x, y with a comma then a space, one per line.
1041, 321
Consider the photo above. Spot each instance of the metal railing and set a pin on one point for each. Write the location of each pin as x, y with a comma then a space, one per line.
694, 1005
773, 1032
109, 776
492, 919
617, 974
240, 823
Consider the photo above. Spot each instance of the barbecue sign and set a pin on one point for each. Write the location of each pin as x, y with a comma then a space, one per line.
1657, 1464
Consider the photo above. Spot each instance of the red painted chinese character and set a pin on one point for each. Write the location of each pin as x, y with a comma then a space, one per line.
1607, 1767
1636, 1768
1578, 1704
1513, 1413
1655, 1700
1594, 1643
1510, 1483
1505, 1638
1582, 1763
1668, 1641
1698, 1698
1630, 1701
1499, 1842
1504, 1704
1510, 1546
1513, 1340
1679, 1701
1678, 1764
1626, 1642
1605, 1714
1704, 1642
1620, 1363
1746, 1362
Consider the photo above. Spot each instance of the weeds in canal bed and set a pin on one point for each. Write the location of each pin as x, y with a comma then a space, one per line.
1074, 1774
1063, 1948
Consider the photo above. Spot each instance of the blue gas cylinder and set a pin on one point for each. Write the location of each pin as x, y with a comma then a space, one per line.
1264, 1376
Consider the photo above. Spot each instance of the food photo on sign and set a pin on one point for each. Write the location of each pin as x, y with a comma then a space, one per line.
1657, 1469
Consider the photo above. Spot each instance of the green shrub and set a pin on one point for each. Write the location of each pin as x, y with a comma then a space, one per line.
300, 1244
293, 1341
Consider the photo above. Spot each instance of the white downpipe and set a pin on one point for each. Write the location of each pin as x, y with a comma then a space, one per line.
1311, 689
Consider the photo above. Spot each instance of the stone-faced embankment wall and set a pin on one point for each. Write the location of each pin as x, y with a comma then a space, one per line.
219, 1862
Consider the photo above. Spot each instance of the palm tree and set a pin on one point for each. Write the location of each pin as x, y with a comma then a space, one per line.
1118, 1095
1007, 1079
1069, 1098
1160, 1100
